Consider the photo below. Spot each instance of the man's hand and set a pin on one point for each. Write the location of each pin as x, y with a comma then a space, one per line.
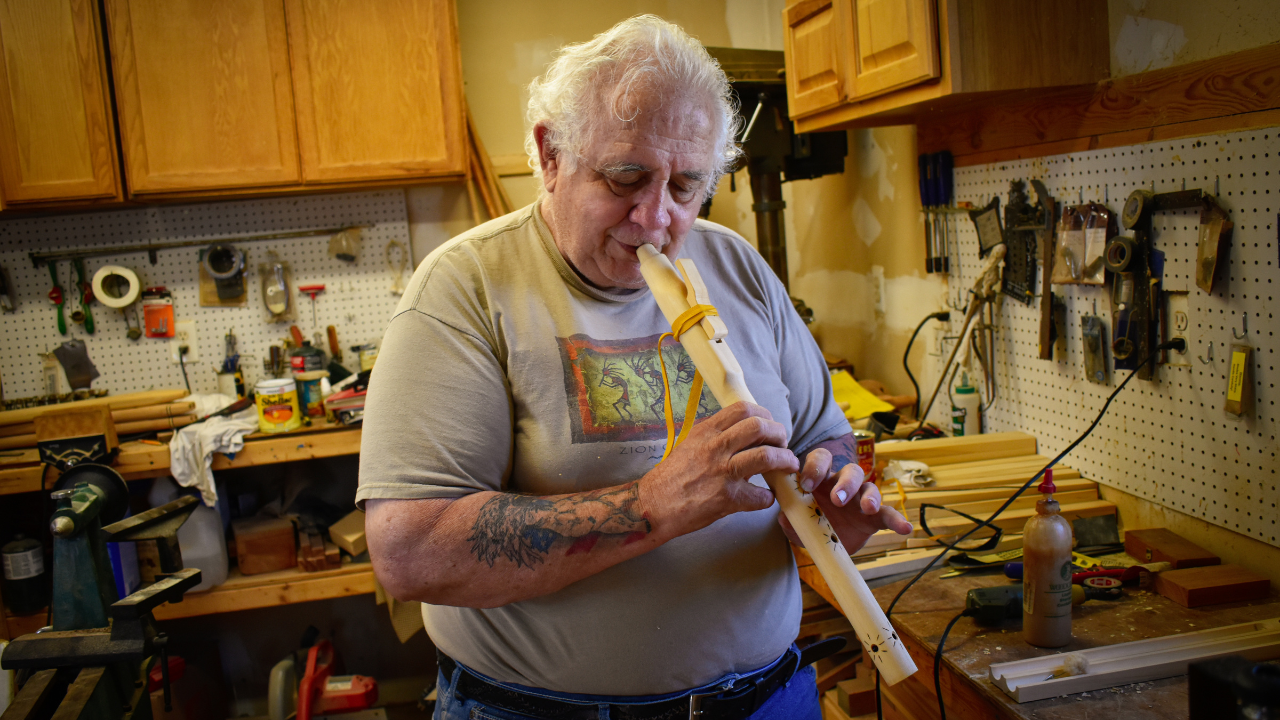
851, 505
707, 477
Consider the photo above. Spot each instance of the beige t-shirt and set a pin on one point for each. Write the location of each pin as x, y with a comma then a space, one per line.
503, 370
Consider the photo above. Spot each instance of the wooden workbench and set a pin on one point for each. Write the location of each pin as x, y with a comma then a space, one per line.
925, 610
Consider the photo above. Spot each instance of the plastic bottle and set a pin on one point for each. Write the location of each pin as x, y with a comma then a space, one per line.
200, 538
1046, 573
966, 409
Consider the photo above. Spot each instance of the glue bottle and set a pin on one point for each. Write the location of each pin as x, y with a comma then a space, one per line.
966, 409
1046, 573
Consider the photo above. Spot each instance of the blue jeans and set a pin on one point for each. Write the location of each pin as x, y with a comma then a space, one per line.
796, 700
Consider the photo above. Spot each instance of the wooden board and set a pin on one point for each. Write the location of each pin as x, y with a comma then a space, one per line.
1013, 520
264, 545
1211, 585
1161, 545
115, 402
952, 497
241, 592
943, 451
348, 533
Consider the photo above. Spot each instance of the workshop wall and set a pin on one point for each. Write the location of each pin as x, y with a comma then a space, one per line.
357, 299
1153, 35
1168, 442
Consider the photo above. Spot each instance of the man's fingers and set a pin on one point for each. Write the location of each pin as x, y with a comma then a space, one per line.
868, 498
848, 482
762, 459
736, 413
752, 497
754, 431
893, 520
816, 466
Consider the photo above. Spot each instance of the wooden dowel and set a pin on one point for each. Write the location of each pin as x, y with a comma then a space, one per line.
722, 373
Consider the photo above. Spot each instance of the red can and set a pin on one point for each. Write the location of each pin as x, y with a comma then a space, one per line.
866, 447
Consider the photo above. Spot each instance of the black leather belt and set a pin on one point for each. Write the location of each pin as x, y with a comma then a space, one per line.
736, 702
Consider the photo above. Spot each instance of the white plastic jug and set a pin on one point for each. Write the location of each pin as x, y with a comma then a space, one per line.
201, 537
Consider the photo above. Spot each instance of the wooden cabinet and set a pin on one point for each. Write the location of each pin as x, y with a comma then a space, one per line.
885, 62
204, 94
57, 139
219, 97
377, 88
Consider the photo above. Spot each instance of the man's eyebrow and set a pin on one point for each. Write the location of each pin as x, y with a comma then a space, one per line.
621, 168
693, 175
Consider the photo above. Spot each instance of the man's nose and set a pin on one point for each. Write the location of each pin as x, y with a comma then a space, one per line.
652, 210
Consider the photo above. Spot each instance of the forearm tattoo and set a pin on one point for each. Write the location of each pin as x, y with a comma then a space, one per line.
524, 528
843, 452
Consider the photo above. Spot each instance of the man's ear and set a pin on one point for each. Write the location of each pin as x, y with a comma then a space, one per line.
547, 157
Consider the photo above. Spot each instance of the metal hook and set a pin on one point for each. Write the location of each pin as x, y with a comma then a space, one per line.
1215, 185
1080, 195
1206, 362
1244, 327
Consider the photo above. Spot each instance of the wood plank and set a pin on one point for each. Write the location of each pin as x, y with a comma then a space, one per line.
115, 402
1015, 519
1162, 545
285, 587
1027, 500
290, 448
1227, 86
1211, 585
915, 496
20, 479
1013, 479
942, 451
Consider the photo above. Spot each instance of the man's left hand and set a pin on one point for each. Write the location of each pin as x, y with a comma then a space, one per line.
852, 506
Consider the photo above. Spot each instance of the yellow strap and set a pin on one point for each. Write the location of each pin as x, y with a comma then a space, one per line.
686, 320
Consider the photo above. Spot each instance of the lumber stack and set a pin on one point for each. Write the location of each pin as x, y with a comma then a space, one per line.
974, 475
132, 413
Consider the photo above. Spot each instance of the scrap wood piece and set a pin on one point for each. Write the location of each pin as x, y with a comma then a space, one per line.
942, 451
1137, 661
1015, 519
115, 402
998, 492
1211, 585
1161, 545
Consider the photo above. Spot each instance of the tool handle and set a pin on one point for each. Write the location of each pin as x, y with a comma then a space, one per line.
722, 373
296, 334
334, 348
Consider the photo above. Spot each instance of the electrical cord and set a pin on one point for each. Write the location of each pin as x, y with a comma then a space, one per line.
937, 664
944, 316
182, 362
1176, 343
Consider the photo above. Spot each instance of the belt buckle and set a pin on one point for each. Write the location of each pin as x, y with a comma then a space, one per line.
695, 702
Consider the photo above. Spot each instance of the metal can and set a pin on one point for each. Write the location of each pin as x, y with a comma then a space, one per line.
26, 587
278, 409
865, 443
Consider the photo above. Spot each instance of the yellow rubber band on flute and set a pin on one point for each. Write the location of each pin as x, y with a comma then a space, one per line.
686, 320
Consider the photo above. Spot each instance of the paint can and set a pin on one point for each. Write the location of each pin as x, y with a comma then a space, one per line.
278, 409
865, 443
25, 581
309, 396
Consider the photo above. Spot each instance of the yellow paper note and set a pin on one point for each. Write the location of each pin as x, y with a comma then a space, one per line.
861, 403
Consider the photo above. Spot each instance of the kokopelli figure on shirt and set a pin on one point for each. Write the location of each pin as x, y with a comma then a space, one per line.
611, 377
647, 370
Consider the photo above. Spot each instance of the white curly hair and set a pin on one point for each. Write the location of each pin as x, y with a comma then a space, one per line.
642, 52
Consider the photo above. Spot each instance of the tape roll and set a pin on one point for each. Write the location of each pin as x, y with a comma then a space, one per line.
116, 298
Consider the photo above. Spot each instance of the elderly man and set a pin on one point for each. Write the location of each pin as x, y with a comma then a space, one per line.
515, 422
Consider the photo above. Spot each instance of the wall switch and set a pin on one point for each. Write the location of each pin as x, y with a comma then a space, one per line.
184, 333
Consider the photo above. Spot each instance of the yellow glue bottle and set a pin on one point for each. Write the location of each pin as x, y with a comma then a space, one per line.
1046, 573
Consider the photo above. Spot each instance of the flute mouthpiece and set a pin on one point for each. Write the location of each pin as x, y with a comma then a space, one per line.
646, 251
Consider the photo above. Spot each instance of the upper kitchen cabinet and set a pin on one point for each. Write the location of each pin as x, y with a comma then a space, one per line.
57, 139
377, 85
203, 94
889, 62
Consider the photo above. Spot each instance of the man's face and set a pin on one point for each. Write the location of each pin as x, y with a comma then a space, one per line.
639, 182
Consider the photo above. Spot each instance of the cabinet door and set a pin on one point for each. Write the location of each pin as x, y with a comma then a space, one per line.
378, 88
203, 92
895, 44
814, 41
57, 141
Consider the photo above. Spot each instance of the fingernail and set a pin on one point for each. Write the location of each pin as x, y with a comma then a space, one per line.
844, 496
807, 484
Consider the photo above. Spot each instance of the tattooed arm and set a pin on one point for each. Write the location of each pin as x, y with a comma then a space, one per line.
830, 470
491, 548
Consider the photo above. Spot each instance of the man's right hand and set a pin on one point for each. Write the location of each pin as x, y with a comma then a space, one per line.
708, 476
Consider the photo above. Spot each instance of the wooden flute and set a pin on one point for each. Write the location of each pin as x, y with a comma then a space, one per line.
720, 370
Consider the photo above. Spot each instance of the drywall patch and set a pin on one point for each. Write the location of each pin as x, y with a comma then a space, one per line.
865, 224
873, 160
754, 24
840, 298
1144, 44
908, 298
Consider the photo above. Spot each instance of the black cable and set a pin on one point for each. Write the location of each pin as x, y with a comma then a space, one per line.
943, 316
182, 362
1175, 343
937, 665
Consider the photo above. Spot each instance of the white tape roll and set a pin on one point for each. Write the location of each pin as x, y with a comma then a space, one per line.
111, 300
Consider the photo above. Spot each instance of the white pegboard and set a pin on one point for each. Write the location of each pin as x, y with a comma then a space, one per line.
357, 298
1167, 441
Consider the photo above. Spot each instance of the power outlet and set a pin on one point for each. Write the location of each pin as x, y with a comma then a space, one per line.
184, 333
1177, 323
877, 287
